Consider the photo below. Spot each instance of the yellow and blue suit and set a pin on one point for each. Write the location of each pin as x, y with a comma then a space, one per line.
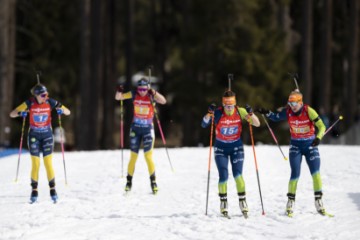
40, 137
142, 129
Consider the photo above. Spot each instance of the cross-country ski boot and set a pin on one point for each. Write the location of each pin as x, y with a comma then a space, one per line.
34, 192
53, 194
153, 184
223, 205
243, 205
319, 204
290, 204
128, 183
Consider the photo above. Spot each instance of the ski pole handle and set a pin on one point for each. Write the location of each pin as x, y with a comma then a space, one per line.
331, 127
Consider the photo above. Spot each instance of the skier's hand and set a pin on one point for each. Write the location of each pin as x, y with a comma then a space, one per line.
212, 108
249, 109
152, 92
262, 111
120, 88
316, 142
22, 114
59, 111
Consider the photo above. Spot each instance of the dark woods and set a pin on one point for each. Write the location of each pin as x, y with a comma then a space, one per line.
86, 48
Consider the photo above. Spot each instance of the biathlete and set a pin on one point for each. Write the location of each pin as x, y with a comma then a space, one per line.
142, 127
228, 121
40, 135
302, 120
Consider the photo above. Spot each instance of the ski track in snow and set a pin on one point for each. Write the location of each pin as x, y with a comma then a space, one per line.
94, 206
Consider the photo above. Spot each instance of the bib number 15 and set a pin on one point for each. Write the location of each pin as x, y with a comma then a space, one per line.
229, 131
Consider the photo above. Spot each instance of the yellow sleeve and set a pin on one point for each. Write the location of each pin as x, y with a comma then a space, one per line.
22, 107
314, 116
244, 115
127, 95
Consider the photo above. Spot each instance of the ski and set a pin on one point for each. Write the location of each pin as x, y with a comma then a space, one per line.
324, 213
225, 215
289, 213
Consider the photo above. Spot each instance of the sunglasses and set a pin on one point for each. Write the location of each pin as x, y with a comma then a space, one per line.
229, 106
142, 89
43, 95
293, 104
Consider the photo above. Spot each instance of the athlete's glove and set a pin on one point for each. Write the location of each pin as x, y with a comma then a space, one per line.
152, 92
120, 88
59, 111
249, 109
212, 108
22, 114
262, 111
316, 142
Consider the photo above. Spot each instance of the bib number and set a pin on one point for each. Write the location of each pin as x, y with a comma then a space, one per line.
228, 131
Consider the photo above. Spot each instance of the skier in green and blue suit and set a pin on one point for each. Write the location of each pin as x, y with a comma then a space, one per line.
228, 121
302, 120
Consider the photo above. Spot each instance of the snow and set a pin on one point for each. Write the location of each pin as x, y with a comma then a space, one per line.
93, 204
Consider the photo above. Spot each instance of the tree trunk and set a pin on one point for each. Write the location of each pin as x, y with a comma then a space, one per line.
307, 50
7, 65
107, 140
352, 103
325, 79
83, 129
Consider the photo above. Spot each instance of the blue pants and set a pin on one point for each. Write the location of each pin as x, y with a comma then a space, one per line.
312, 156
40, 141
141, 134
222, 155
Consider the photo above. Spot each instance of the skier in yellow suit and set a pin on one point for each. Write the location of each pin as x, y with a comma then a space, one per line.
142, 127
40, 136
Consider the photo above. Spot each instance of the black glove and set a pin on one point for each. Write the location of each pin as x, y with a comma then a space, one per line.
120, 88
316, 142
249, 109
212, 108
262, 111
152, 92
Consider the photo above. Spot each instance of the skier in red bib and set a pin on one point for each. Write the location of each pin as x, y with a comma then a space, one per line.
142, 128
302, 120
229, 120
40, 136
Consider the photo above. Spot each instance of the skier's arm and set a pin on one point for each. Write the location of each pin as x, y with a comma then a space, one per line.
251, 118
61, 109
17, 111
207, 118
313, 115
123, 96
158, 97
276, 117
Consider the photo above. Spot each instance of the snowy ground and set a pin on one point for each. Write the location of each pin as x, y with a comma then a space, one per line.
93, 204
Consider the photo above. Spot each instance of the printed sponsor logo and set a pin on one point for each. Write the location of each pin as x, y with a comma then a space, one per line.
227, 121
40, 109
237, 160
141, 102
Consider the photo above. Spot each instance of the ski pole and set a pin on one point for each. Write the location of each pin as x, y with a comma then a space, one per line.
273, 136
295, 76
331, 127
158, 123
20, 148
62, 146
209, 163
256, 166
122, 136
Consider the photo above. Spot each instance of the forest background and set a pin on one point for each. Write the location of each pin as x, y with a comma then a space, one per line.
85, 48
